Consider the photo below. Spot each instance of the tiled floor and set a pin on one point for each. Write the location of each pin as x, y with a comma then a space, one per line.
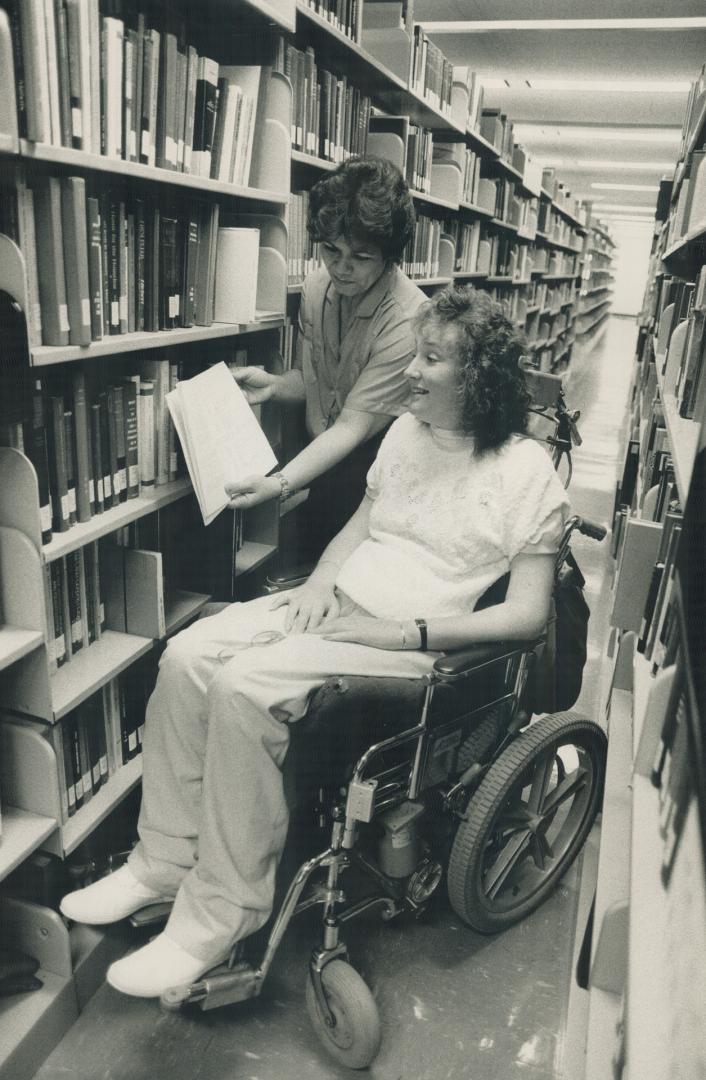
455, 1005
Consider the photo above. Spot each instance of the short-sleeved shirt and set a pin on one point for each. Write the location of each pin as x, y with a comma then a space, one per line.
445, 524
365, 369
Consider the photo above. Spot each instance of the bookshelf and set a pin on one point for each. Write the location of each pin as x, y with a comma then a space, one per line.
39, 697
648, 958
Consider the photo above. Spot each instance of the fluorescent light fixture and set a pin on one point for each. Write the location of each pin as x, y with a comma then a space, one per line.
623, 187
488, 26
586, 133
599, 164
628, 207
589, 86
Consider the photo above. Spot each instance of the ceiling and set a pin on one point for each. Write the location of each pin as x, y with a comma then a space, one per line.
593, 135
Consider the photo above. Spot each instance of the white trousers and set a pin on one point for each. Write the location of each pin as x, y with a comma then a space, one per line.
214, 819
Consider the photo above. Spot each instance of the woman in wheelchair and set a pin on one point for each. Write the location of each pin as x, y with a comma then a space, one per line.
456, 497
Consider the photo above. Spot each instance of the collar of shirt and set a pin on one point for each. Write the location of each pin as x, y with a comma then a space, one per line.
370, 300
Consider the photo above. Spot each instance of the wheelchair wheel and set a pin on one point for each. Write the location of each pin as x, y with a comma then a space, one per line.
354, 1040
527, 821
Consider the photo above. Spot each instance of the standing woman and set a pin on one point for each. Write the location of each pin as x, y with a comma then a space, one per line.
354, 343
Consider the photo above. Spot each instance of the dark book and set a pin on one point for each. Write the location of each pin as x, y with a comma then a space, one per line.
104, 205
152, 269
57, 466
115, 472
132, 463
84, 754
129, 94
123, 259
116, 400
130, 246
50, 260
62, 58
57, 603
96, 457
180, 110
114, 259
169, 273
35, 442
95, 268
85, 487
140, 250
73, 577
72, 740
190, 267
70, 456
91, 605
150, 89
192, 67
73, 21
205, 116
108, 453
166, 144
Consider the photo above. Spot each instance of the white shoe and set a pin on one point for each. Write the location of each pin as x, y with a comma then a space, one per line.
156, 967
110, 899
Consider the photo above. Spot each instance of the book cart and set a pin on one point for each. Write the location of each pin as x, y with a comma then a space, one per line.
647, 980
488, 215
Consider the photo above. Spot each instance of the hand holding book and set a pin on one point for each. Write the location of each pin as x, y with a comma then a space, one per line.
222, 441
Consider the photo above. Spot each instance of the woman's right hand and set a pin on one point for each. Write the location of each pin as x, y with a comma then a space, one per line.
310, 605
257, 384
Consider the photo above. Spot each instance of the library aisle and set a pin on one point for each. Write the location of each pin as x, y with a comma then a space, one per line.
454, 1004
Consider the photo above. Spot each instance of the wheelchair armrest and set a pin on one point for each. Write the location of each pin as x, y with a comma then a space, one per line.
289, 577
463, 662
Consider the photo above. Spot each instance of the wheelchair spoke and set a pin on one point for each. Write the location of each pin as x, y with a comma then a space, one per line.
568, 787
540, 781
516, 818
541, 850
507, 859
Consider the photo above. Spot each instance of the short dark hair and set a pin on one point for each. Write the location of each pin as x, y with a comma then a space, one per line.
492, 384
367, 200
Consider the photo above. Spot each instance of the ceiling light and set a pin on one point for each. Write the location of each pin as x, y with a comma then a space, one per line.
598, 164
624, 187
627, 206
485, 26
602, 134
613, 86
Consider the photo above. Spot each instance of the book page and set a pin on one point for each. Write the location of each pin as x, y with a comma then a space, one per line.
221, 439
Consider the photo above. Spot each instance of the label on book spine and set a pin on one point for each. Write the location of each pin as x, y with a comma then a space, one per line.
64, 318
45, 517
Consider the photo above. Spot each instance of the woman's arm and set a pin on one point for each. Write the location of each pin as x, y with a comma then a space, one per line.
523, 614
315, 601
349, 430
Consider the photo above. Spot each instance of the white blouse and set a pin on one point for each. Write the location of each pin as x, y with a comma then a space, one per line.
445, 525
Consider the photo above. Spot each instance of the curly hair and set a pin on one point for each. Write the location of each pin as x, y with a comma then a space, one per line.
367, 200
492, 383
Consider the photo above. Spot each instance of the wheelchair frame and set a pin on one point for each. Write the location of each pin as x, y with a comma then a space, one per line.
367, 796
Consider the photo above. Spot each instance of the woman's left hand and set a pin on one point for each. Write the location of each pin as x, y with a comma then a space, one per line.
363, 630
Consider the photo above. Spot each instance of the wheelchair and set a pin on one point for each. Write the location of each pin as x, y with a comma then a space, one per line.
411, 781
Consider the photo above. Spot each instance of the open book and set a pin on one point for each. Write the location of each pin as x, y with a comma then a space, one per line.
221, 439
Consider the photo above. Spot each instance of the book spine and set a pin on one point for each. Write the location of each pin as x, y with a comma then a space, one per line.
180, 109
191, 252
85, 487
76, 89
113, 47
108, 458
114, 259
169, 306
50, 261
95, 269
192, 59
135, 145
97, 464
166, 148
49, 636
146, 432
132, 463
73, 573
128, 102
70, 454
73, 206
117, 443
62, 55
206, 95
57, 601
36, 449
123, 266
130, 271
57, 463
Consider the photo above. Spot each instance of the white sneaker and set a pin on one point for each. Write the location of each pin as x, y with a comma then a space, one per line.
156, 967
110, 899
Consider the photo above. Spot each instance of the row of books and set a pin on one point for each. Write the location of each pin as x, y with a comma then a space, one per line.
431, 72
694, 111
125, 88
420, 258
74, 603
690, 208
561, 194
557, 228
344, 15
680, 322
329, 115
418, 159
101, 262
497, 128
97, 738
471, 80
94, 443
303, 254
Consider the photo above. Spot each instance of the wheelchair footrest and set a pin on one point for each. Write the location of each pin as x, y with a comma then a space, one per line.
151, 915
226, 986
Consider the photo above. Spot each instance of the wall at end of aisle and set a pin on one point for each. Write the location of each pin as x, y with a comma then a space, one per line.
633, 241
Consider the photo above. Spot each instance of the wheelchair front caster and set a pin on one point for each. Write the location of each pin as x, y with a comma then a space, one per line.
354, 1039
174, 998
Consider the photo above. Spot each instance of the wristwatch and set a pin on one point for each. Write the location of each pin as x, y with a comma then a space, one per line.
422, 624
